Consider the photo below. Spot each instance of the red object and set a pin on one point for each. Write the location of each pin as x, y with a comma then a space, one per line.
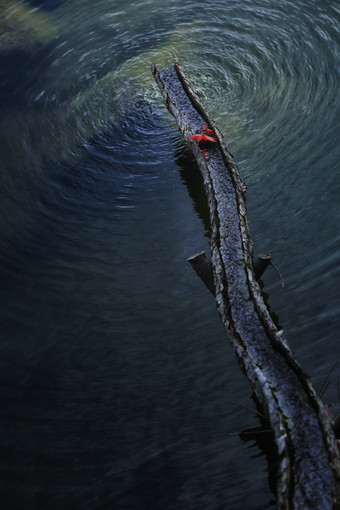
205, 154
202, 138
209, 131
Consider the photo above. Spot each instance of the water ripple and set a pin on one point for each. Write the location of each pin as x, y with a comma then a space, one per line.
106, 332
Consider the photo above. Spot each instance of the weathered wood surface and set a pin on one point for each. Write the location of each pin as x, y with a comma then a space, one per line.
308, 474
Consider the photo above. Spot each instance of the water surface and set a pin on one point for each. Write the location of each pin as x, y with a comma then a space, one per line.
116, 375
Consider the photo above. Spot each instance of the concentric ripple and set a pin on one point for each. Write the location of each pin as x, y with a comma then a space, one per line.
115, 371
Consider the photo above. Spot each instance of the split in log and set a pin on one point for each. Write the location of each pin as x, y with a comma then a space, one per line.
308, 465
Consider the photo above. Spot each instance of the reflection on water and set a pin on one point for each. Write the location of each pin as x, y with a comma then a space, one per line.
115, 370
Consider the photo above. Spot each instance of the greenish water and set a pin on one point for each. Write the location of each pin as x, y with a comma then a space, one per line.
116, 374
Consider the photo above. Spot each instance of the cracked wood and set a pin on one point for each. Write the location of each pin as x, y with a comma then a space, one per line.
308, 472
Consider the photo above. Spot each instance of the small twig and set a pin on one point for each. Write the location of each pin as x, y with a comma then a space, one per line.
246, 407
278, 272
264, 431
326, 386
326, 383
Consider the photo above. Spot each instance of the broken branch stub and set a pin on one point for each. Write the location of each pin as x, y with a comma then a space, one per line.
203, 267
308, 473
261, 264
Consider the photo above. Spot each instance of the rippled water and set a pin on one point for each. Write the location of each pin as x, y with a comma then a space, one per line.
116, 375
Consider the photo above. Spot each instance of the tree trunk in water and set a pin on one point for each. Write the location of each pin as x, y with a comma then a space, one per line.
308, 473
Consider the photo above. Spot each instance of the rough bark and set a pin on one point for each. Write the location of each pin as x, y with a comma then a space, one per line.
308, 473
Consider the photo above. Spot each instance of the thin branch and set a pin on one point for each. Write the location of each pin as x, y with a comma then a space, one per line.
326, 383
249, 408
278, 272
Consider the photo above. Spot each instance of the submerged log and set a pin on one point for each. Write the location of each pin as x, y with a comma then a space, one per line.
308, 472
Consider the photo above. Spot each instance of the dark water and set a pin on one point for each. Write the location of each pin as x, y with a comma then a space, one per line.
116, 374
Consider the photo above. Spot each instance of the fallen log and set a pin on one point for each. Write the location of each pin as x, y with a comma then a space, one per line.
308, 472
